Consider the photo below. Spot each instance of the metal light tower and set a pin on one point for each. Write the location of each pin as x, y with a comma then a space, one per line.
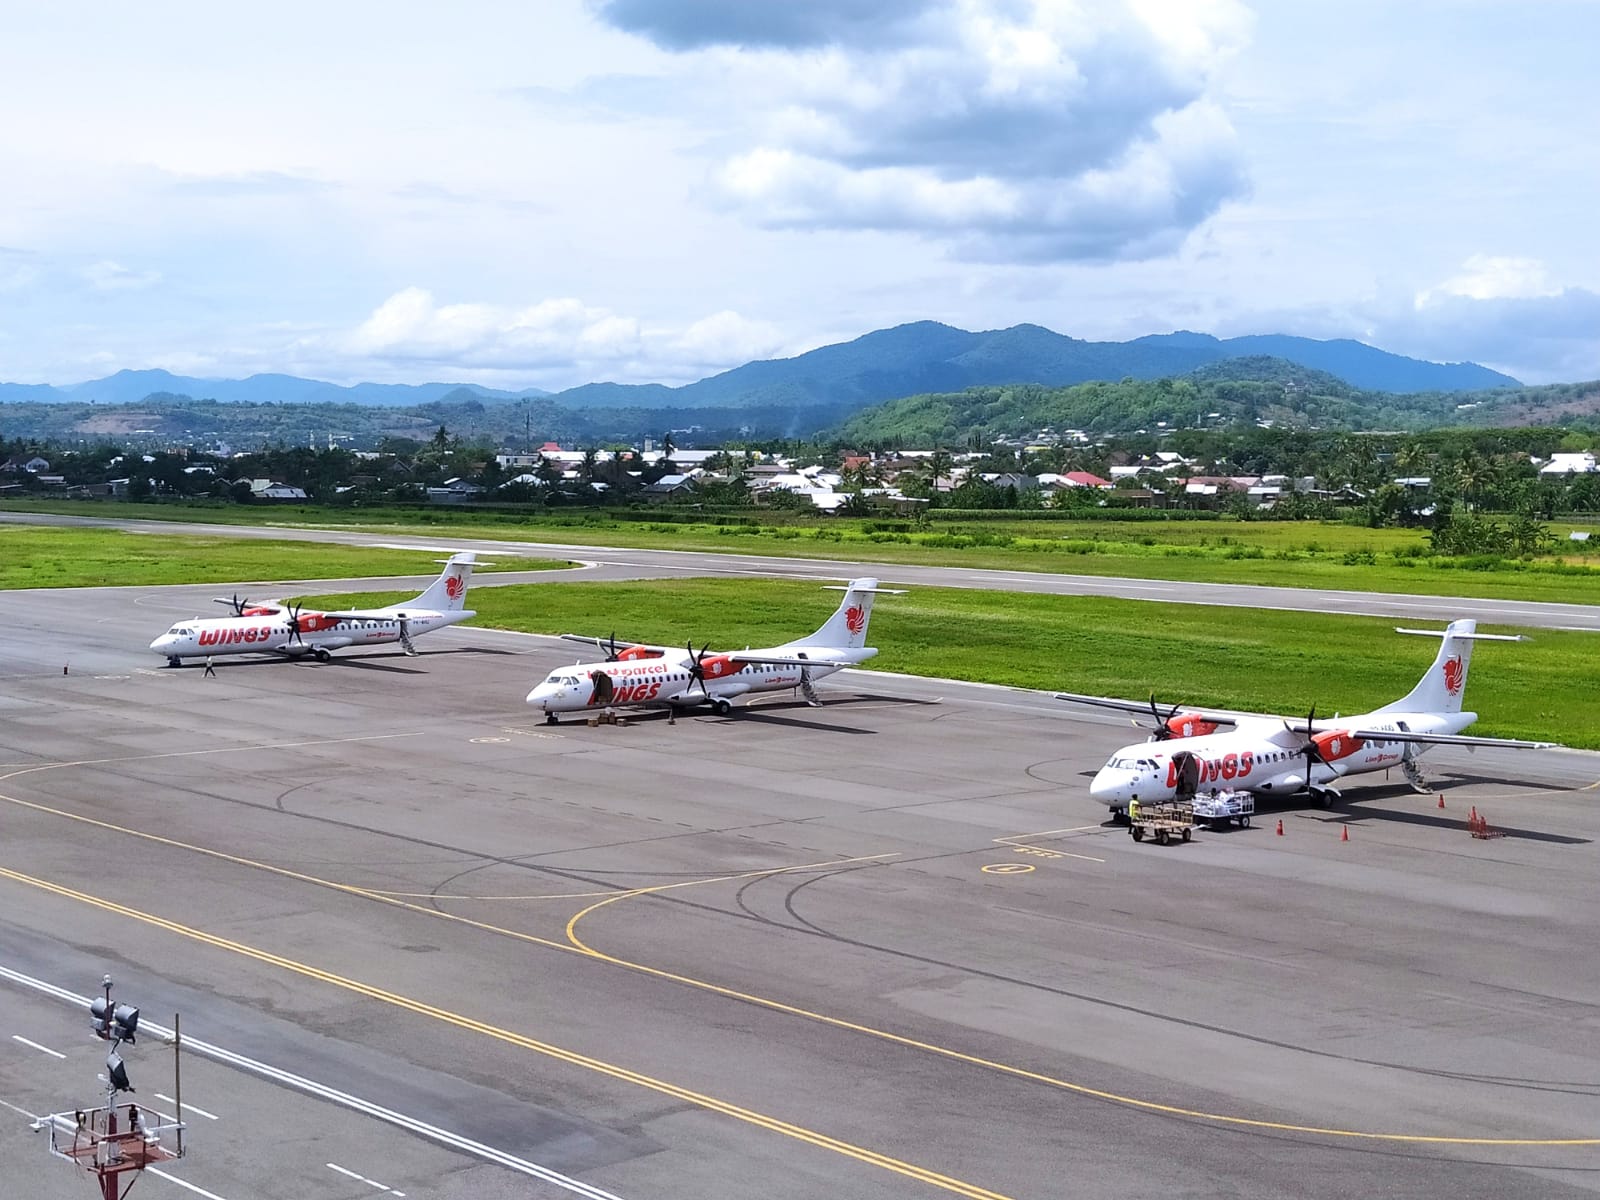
117, 1140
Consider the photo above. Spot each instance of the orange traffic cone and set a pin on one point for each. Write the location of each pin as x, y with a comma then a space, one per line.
1280, 826
1344, 833
1474, 817
1441, 799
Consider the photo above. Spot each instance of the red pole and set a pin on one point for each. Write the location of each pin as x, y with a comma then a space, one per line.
108, 1181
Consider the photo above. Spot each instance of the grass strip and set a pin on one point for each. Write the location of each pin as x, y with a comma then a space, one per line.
32, 557
1250, 659
1270, 553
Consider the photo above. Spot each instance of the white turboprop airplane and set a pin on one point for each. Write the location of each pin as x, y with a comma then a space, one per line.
1278, 756
635, 674
289, 632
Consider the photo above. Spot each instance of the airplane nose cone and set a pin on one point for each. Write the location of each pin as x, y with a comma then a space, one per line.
539, 694
1104, 787
160, 644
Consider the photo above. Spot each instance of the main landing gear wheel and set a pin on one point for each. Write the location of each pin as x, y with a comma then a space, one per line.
322, 656
721, 707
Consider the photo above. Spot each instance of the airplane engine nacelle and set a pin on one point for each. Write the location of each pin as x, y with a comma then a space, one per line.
1336, 744
1187, 725
635, 653
719, 666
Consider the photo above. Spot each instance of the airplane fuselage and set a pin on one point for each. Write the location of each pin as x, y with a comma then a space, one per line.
1263, 757
668, 680
271, 634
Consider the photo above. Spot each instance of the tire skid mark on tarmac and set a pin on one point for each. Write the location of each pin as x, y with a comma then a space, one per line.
574, 944
749, 1116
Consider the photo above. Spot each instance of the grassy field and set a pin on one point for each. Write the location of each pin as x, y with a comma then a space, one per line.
1237, 658
1278, 553
36, 557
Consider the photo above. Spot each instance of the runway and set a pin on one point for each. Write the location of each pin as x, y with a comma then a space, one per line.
616, 562
882, 948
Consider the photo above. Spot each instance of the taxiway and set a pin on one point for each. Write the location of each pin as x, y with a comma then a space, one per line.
884, 947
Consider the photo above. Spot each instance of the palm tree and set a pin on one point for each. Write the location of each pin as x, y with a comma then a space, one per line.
1473, 474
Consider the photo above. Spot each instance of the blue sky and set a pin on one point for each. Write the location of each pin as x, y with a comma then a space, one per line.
641, 190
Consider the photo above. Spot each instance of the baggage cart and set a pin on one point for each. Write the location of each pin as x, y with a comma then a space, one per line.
1161, 823
1218, 809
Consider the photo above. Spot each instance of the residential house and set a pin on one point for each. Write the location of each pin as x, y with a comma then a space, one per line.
669, 487
1559, 464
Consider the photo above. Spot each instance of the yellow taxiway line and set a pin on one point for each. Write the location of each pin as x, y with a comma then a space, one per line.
511, 1037
576, 945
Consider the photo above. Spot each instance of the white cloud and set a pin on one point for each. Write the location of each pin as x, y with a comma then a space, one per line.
108, 276
1493, 277
1012, 130
726, 339
14, 279
559, 342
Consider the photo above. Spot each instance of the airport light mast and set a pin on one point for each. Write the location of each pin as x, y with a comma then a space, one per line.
117, 1140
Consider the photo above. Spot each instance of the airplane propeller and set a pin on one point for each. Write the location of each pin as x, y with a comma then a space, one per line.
611, 652
1162, 730
235, 602
1309, 749
697, 668
294, 625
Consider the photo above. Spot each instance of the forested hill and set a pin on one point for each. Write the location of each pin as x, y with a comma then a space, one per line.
920, 357
926, 356
1230, 392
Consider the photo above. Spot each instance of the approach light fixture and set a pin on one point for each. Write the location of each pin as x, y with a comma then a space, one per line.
117, 1073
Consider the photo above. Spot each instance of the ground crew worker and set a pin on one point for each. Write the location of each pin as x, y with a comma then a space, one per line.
1133, 810
210, 670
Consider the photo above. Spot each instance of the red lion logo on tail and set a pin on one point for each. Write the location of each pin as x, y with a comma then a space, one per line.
453, 587
855, 618
1454, 675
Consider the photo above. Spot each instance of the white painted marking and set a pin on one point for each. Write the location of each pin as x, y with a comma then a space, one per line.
184, 1183
20, 1111
370, 1182
17, 1037
377, 1112
429, 549
198, 1111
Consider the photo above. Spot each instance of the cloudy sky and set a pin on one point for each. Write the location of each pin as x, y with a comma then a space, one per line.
548, 194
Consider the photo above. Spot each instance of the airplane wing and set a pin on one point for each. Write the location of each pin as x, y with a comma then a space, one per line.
1142, 707
1448, 739
605, 643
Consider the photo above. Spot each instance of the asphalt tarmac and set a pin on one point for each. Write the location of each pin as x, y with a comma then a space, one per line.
619, 563
881, 948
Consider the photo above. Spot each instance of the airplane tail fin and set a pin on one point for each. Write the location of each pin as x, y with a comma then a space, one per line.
847, 628
1441, 689
448, 593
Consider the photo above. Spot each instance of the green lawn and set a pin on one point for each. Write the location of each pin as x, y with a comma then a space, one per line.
1279, 553
61, 557
1249, 659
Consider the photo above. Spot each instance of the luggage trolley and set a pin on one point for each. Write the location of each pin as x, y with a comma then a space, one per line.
1163, 822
